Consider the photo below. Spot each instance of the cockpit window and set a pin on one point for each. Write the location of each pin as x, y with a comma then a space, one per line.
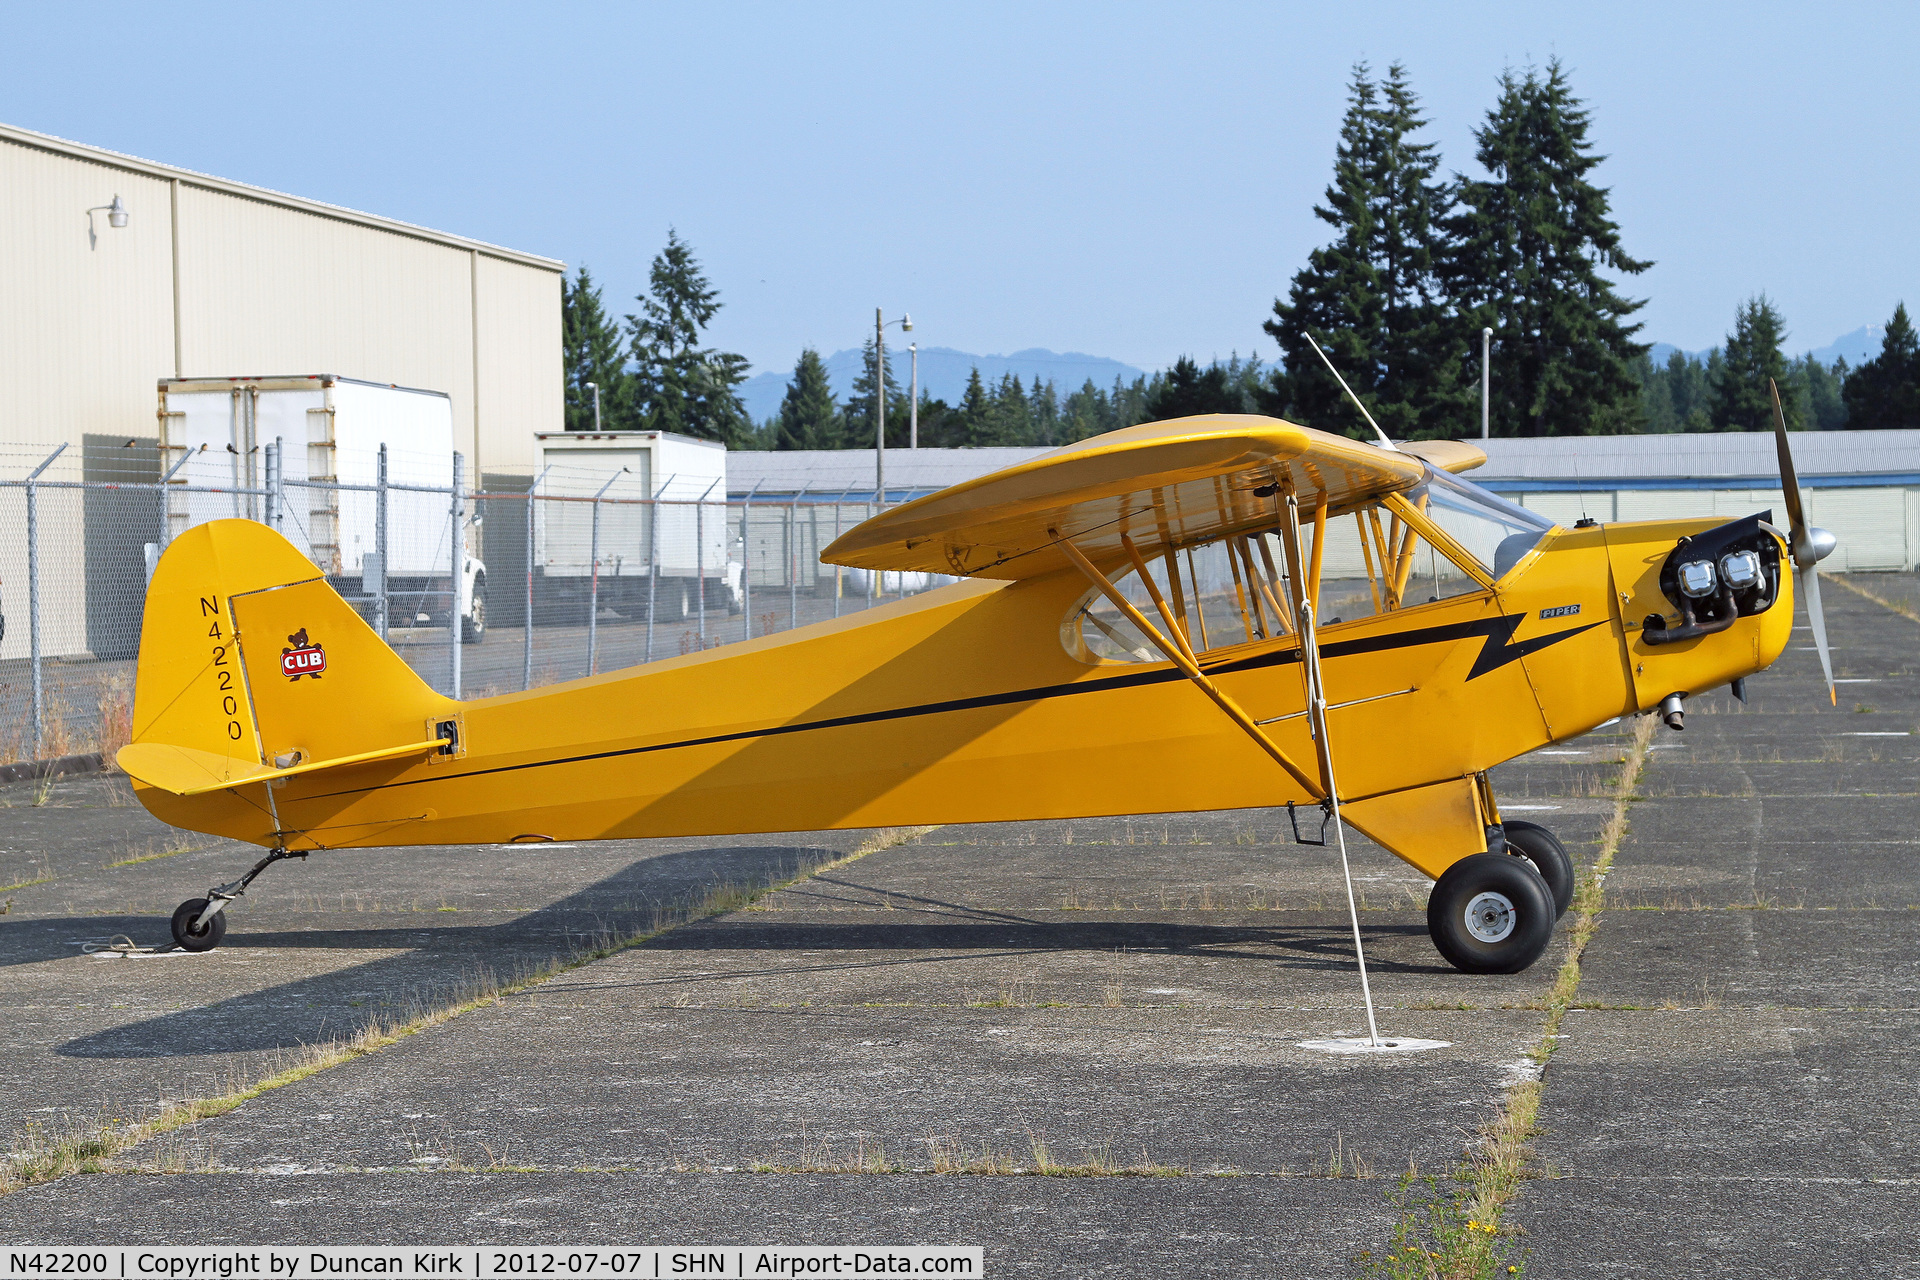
1237, 590
1496, 532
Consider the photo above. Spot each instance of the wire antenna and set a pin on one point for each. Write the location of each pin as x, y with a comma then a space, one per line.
1384, 442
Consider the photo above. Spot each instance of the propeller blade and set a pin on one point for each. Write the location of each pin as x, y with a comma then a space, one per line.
1790, 486
1810, 592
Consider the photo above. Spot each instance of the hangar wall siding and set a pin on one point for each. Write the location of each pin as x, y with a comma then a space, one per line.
213, 278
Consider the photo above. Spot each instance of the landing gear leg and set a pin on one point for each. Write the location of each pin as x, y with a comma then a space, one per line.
200, 923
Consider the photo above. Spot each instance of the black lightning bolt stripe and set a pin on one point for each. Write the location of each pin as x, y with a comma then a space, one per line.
1496, 652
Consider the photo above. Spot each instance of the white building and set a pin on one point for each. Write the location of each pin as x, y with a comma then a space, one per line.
211, 278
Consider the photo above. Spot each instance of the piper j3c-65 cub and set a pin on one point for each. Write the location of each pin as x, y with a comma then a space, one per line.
1128, 639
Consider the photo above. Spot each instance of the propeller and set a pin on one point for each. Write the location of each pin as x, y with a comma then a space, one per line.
1809, 545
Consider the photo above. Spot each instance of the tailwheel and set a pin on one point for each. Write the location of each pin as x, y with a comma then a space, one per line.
190, 933
1549, 857
1490, 913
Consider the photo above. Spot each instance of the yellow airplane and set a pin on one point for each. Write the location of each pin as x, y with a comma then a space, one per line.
1128, 639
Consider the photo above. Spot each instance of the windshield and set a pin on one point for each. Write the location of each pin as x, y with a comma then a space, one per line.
1494, 531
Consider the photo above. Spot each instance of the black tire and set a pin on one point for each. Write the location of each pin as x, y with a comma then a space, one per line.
473, 627
210, 934
1490, 913
1549, 857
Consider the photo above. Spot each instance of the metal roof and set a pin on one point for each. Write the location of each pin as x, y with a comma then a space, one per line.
829, 472
265, 195
1698, 460
1703, 460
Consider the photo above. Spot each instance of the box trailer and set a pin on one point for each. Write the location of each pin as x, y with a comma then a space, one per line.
671, 552
329, 431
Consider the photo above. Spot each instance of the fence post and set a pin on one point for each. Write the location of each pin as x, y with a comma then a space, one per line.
33, 597
526, 678
457, 565
653, 564
593, 581
381, 607
273, 483
838, 507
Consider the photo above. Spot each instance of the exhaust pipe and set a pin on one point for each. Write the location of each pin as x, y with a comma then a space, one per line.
1673, 711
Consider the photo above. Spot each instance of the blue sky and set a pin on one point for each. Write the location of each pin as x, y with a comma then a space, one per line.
1134, 181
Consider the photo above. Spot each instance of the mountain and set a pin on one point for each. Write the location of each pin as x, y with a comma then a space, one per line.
1862, 344
943, 373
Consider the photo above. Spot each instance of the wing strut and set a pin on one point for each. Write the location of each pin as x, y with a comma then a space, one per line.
1178, 651
1303, 613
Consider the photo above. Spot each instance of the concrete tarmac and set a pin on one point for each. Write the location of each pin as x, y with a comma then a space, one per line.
1103, 993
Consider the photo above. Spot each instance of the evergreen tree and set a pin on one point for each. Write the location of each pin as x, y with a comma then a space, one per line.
1529, 246
972, 425
678, 385
857, 425
1189, 389
591, 351
808, 419
1740, 399
1043, 412
1820, 390
1885, 391
1371, 298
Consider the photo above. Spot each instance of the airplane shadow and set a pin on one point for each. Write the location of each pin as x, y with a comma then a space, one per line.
436, 959
439, 960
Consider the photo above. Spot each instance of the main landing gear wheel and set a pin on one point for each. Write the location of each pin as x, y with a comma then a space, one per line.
1490, 913
209, 934
1549, 857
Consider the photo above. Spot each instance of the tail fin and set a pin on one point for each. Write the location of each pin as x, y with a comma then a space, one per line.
253, 668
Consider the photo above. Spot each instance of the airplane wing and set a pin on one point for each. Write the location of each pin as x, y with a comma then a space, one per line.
1162, 484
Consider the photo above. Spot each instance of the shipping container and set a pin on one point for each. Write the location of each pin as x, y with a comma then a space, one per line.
327, 433
662, 554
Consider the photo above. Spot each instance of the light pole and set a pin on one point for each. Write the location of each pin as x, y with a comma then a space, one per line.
913, 400
595, 388
1486, 382
880, 400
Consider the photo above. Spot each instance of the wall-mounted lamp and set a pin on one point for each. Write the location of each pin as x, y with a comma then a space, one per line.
116, 217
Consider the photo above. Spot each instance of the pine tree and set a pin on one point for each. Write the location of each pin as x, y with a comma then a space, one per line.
1188, 389
1885, 391
1371, 298
1819, 388
592, 352
1529, 246
857, 424
808, 419
1740, 399
678, 385
972, 421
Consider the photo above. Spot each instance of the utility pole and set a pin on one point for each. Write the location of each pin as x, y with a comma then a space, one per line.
913, 400
1486, 382
880, 401
595, 388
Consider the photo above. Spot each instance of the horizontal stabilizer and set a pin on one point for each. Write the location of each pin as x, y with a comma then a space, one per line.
187, 771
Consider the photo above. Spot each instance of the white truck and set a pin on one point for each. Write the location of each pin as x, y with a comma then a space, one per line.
329, 430
664, 555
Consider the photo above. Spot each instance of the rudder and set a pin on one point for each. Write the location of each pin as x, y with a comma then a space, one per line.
251, 664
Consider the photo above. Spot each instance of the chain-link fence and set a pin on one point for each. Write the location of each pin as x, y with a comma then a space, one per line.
605, 578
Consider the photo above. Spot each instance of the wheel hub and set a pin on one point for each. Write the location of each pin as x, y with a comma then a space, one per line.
1490, 917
